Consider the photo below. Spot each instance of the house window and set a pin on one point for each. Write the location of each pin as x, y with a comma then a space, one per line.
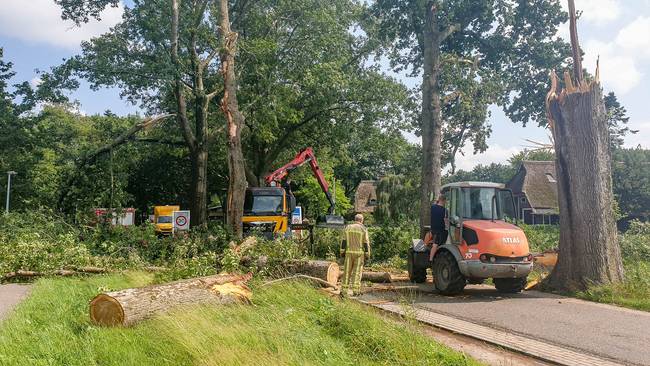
372, 202
550, 178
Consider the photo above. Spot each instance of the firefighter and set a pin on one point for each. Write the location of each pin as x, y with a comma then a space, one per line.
355, 247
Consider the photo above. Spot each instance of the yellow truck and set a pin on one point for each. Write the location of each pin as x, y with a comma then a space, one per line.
163, 217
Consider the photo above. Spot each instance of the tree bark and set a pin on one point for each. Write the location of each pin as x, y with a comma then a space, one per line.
199, 189
431, 118
588, 252
127, 307
234, 123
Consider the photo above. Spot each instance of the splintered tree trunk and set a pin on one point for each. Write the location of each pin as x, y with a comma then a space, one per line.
589, 252
127, 307
431, 118
234, 123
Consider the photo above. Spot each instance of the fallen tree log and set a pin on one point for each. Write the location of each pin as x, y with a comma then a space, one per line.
375, 277
127, 307
325, 270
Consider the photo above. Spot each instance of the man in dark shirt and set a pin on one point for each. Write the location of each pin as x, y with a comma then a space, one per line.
438, 224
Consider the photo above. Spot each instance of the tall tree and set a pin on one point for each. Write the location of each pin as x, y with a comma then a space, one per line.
588, 251
163, 57
234, 123
617, 120
491, 42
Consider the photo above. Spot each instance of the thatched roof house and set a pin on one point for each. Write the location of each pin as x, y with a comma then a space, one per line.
535, 191
365, 197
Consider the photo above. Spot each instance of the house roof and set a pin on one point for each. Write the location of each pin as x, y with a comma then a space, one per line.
366, 191
537, 179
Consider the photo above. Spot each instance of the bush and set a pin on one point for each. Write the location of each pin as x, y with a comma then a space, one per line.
542, 237
635, 243
391, 241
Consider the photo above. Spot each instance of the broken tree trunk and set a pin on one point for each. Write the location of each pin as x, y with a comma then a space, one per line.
127, 307
588, 252
325, 270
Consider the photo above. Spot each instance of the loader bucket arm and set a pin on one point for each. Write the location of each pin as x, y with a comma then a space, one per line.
307, 156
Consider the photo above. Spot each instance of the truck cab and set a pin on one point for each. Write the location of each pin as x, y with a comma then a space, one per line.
483, 241
163, 217
266, 211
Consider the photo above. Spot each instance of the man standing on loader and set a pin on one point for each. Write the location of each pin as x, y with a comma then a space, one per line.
439, 222
355, 247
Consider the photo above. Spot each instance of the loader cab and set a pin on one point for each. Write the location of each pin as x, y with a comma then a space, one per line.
468, 202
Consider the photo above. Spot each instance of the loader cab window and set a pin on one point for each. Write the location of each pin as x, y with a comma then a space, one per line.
259, 205
507, 205
477, 203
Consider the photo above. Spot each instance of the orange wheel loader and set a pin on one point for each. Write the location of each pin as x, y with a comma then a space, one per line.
482, 243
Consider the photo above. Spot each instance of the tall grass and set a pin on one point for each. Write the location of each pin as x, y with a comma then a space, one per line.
288, 324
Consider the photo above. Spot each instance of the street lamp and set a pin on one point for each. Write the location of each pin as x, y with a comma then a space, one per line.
9, 174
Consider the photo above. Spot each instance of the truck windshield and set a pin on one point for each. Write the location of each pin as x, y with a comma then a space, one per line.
477, 203
164, 219
262, 205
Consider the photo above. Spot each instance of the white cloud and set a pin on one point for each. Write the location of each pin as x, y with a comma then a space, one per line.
635, 37
618, 70
39, 21
36, 81
494, 154
597, 11
640, 138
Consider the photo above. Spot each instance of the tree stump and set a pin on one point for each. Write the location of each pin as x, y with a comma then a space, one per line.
129, 306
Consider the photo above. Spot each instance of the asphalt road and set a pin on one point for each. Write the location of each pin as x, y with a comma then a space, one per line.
10, 296
598, 329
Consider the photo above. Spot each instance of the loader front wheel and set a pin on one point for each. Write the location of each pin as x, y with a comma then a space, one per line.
510, 285
446, 274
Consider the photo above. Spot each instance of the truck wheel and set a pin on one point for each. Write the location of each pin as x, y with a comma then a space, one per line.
446, 274
416, 275
510, 285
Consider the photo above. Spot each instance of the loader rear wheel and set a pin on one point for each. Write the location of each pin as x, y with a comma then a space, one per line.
416, 275
446, 274
510, 285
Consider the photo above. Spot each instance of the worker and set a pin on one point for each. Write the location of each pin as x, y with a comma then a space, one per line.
439, 222
355, 248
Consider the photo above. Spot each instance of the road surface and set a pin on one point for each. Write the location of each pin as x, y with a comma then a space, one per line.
597, 329
10, 296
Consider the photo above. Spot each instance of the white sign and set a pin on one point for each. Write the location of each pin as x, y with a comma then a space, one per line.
296, 216
181, 220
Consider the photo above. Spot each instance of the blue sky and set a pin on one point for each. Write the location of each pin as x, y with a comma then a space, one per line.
34, 37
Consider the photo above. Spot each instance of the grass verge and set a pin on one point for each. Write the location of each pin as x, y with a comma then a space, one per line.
632, 293
289, 324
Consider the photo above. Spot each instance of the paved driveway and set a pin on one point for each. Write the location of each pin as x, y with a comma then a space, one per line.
10, 296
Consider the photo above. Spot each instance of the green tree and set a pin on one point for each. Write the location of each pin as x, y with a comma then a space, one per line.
531, 155
497, 173
617, 120
395, 200
631, 176
474, 52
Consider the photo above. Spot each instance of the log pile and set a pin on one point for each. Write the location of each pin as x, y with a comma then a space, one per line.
129, 306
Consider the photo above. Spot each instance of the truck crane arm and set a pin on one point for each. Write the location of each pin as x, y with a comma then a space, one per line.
304, 156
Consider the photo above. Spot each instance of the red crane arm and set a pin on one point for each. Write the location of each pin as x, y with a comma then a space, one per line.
304, 156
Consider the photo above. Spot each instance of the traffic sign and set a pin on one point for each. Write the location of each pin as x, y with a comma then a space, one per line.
181, 220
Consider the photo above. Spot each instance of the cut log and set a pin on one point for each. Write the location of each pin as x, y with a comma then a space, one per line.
127, 307
325, 270
376, 277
